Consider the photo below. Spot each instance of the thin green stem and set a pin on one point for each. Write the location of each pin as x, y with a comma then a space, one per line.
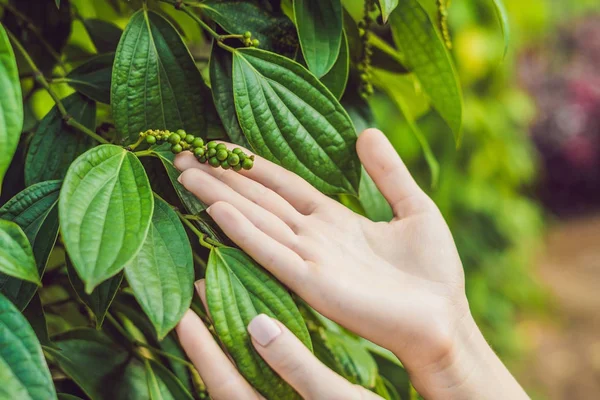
180, 5
205, 241
39, 77
136, 144
119, 328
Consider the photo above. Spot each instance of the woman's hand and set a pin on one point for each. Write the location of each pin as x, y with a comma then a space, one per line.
278, 347
399, 284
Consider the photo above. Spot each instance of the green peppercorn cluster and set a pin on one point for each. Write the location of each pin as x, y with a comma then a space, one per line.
213, 153
442, 6
249, 41
364, 66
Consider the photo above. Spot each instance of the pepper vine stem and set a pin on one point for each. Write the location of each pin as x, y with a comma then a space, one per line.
205, 241
39, 77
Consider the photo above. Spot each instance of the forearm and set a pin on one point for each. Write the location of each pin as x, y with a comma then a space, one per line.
470, 370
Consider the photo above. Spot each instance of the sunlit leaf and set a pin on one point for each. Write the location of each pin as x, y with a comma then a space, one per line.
319, 24
290, 118
23, 370
16, 255
237, 290
426, 55
162, 273
386, 7
155, 82
105, 208
11, 104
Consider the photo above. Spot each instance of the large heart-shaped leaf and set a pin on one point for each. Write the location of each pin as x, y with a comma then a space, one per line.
55, 145
162, 273
101, 297
291, 118
237, 290
386, 7
11, 104
426, 55
274, 30
222, 91
23, 370
105, 208
319, 24
155, 82
93, 77
92, 359
337, 77
35, 211
16, 255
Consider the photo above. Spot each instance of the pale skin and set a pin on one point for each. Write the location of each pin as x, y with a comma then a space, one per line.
399, 284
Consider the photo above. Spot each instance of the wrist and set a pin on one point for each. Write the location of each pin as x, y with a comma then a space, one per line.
467, 369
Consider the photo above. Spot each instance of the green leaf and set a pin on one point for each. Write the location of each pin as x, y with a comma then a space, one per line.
222, 90
35, 210
162, 384
352, 361
91, 360
155, 82
319, 24
375, 205
16, 255
292, 119
386, 7
66, 396
37, 319
385, 389
400, 91
337, 77
162, 273
55, 145
101, 297
23, 370
275, 31
93, 78
502, 15
426, 55
166, 156
57, 3
11, 104
105, 208
52, 30
237, 290
104, 34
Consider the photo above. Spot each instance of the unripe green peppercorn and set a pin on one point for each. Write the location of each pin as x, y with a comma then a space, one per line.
233, 159
221, 146
181, 133
225, 165
247, 163
214, 162
198, 142
199, 151
202, 159
176, 148
189, 138
150, 139
237, 151
247, 35
237, 167
255, 42
212, 152
212, 145
222, 155
174, 138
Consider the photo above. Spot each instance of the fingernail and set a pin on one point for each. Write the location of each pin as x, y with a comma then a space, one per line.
263, 329
179, 178
208, 210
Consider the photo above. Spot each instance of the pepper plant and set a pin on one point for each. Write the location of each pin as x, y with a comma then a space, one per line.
100, 244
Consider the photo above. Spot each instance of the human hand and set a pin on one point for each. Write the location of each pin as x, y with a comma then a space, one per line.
283, 351
399, 284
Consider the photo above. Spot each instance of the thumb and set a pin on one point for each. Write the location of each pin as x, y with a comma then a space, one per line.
288, 356
390, 174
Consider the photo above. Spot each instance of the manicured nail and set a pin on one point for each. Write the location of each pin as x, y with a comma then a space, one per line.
263, 329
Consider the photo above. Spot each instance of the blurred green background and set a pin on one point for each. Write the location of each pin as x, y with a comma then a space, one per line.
510, 192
